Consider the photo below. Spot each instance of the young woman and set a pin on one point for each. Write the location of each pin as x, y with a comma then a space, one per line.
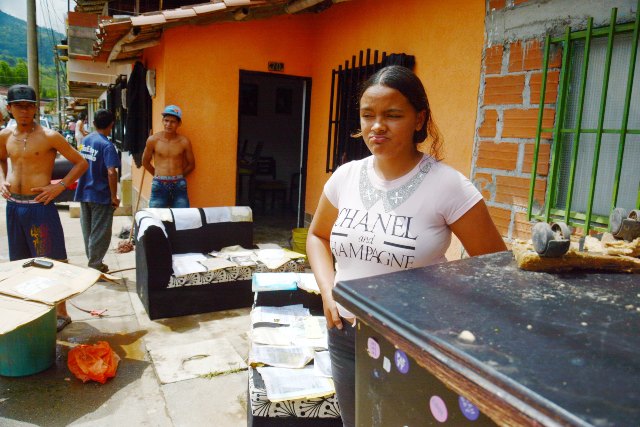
81, 131
391, 211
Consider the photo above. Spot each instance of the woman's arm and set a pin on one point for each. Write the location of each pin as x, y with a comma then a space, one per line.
477, 232
83, 130
321, 259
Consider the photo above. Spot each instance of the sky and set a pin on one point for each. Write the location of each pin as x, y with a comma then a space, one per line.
49, 13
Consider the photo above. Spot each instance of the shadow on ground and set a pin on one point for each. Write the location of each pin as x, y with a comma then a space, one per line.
55, 397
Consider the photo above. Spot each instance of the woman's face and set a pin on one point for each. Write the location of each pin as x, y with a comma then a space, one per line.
388, 122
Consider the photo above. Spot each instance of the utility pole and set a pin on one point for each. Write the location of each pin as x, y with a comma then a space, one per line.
57, 59
32, 49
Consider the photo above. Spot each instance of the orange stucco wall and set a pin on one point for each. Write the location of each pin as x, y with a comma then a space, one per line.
446, 38
198, 68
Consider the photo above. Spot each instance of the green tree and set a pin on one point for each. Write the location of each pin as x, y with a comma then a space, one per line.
6, 74
20, 72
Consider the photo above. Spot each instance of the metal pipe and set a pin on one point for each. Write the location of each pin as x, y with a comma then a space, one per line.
603, 105
578, 125
536, 145
625, 112
32, 49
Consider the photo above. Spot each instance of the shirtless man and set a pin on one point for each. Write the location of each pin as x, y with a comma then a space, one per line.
33, 223
173, 160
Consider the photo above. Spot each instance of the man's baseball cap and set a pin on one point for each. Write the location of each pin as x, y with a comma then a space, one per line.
21, 93
172, 110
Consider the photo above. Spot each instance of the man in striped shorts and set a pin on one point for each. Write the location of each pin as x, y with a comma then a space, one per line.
33, 223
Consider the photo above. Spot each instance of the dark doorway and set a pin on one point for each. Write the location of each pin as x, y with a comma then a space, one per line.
273, 119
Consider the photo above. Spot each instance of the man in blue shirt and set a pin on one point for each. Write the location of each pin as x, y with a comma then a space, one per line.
97, 189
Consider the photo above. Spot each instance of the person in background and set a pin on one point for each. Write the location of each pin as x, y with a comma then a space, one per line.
97, 190
172, 159
33, 224
71, 125
81, 131
391, 211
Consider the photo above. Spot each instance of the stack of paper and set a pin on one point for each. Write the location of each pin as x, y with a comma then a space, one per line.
262, 282
213, 264
284, 315
284, 340
309, 332
286, 384
289, 281
184, 264
280, 356
307, 282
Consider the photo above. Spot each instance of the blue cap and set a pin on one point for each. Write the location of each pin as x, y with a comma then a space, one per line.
172, 110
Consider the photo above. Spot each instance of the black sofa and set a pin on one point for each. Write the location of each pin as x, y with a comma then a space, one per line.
158, 237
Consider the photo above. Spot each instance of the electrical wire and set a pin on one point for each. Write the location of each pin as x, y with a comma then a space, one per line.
46, 6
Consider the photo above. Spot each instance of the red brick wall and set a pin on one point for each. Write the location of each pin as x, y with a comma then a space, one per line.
511, 83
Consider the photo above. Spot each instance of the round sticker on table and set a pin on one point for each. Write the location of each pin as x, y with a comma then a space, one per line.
469, 410
438, 409
373, 348
402, 361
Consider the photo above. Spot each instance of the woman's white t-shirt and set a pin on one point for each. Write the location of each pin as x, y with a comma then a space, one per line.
386, 226
78, 133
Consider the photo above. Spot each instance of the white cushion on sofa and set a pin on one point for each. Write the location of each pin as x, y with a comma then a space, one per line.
187, 218
145, 219
228, 214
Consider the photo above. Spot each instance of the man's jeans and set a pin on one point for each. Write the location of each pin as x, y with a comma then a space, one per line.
169, 192
96, 220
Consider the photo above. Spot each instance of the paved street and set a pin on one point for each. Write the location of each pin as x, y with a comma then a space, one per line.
137, 395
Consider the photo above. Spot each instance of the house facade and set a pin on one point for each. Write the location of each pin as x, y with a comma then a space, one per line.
484, 65
199, 69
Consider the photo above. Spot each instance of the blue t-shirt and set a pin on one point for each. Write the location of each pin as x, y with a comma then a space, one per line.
100, 153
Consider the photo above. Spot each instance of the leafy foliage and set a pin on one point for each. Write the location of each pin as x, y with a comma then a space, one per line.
13, 41
13, 54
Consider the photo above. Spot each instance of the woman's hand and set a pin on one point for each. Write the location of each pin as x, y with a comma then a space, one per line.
331, 312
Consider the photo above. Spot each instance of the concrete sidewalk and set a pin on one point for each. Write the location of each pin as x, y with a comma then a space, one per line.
141, 394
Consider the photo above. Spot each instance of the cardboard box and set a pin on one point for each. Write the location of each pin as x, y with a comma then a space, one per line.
27, 293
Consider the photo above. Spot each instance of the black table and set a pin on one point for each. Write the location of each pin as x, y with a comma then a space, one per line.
554, 349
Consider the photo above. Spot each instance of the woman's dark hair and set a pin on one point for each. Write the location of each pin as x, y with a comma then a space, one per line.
408, 84
82, 116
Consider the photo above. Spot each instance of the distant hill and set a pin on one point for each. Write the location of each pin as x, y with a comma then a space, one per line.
13, 41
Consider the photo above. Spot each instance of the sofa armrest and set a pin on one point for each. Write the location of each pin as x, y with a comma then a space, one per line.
153, 252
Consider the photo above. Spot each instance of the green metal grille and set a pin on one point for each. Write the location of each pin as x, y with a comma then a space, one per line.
595, 155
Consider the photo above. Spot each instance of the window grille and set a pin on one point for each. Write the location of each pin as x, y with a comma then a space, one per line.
344, 116
595, 155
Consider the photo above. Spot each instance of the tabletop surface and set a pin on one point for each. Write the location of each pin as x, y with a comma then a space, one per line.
567, 341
